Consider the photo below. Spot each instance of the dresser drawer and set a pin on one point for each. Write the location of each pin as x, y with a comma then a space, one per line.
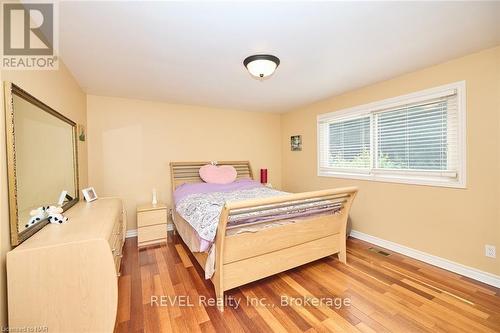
116, 247
118, 259
152, 233
116, 234
117, 252
151, 217
116, 244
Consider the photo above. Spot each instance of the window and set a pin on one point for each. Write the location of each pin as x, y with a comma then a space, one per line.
417, 139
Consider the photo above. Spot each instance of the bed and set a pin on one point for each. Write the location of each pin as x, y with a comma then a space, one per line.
254, 231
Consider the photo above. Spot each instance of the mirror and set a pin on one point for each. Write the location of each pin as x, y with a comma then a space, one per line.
41, 161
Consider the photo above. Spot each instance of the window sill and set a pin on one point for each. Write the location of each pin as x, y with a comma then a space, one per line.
400, 179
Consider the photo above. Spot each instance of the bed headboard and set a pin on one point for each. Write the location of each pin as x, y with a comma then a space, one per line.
188, 172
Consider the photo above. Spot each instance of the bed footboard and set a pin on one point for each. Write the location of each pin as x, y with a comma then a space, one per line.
247, 257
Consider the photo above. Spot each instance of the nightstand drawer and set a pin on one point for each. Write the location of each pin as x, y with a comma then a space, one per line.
151, 217
152, 233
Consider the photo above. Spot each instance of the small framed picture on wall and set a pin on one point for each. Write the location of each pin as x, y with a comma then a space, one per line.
296, 143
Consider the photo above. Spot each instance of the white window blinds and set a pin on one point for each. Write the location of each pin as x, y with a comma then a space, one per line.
416, 138
349, 143
422, 136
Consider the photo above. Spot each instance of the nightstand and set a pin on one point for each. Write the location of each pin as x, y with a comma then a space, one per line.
151, 224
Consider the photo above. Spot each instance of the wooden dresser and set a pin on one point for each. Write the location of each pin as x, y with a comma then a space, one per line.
65, 276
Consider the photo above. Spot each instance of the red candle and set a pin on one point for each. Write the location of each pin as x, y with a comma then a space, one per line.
263, 176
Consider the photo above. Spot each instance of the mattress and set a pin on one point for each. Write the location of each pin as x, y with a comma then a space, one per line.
190, 237
200, 205
197, 244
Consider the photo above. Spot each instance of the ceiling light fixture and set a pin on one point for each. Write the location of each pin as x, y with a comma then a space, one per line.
261, 66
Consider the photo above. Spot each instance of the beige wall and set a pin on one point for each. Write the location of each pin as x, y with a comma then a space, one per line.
59, 90
131, 143
450, 223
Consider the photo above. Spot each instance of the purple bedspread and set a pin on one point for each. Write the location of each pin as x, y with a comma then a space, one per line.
195, 188
200, 204
187, 189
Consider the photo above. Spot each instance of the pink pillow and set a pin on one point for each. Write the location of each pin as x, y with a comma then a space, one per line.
213, 174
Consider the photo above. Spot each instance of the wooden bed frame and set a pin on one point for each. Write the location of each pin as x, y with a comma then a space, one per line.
246, 257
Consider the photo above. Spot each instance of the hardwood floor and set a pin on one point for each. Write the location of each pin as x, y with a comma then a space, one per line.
378, 293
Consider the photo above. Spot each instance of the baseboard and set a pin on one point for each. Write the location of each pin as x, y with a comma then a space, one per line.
133, 232
473, 273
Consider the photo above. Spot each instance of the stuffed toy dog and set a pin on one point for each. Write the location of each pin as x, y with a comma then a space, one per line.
57, 218
52, 213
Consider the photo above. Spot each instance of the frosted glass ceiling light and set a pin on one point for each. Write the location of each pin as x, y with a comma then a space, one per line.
261, 66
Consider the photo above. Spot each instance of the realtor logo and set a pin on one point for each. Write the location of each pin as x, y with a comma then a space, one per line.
29, 36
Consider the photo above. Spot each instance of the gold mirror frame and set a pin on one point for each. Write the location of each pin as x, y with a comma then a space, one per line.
17, 237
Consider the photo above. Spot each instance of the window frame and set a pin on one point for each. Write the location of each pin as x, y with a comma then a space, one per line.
434, 178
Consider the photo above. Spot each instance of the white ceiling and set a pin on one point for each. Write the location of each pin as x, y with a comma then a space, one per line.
192, 53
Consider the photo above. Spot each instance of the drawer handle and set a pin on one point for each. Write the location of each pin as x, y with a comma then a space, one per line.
119, 274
